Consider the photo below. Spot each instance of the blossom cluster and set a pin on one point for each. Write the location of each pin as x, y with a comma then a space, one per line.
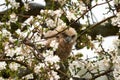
55, 20
73, 9
13, 4
89, 69
116, 20
24, 49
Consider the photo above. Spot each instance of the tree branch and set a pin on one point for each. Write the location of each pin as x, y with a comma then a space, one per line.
95, 25
104, 73
88, 11
11, 60
40, 57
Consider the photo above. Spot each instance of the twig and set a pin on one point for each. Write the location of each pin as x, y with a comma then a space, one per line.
2, 4
40, 57
88, 11
11, 60
64, 74
104, 73
96, 25
56, 34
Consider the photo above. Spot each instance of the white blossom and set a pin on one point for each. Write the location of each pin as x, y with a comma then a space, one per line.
26, 5
13, 51
116, 74
14, 66
50, 23
2, 65
42, 11
30, 60
11, 39
102, 65
83, 28
99, 37
21, 34
60, 23
29, 76
58, 13
28, 21
61, 28
18, 50
20, 58
5, 33
37, 23
52, 59
71, 79
116, 20
117, 46
55, 21
70, 16
37, 69
10, 52
14, 4
74, 1
1, 78
13, 17
54, 44
40, 41
77, 68
53, 75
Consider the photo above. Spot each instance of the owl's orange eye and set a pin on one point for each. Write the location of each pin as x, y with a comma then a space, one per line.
57, 36
65, 35
73, 36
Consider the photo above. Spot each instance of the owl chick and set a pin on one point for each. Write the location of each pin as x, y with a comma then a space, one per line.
66, 39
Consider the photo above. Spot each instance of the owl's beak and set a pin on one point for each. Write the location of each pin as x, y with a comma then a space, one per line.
68, 39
